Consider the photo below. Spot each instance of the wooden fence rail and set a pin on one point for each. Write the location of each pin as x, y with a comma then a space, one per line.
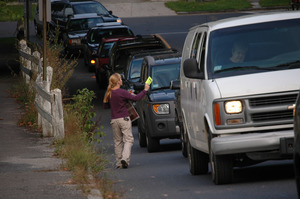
47, 102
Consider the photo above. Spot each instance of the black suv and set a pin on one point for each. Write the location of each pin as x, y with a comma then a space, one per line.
156, 109
121, 51
133, 67
62, 9
93, 39
76, 29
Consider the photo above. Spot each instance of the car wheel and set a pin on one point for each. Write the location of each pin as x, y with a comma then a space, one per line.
85, 60
142, 139
100, 78
221, 167
141, 134
198, 161
152, 144
91, 68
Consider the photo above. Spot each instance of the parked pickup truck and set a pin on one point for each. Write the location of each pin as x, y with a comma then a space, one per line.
239, 81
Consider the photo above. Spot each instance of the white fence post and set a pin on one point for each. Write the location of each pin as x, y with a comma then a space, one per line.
58, 116
48, 103
47, 126
22, 46
35, 67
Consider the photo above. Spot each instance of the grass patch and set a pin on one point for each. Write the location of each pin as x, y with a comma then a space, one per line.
9, 12
216, 5
272, 3
25, 96
10, 40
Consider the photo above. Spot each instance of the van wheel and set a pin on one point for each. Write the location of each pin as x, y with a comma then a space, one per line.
183, 141
152, 144
183, 146
221, 167
198, 160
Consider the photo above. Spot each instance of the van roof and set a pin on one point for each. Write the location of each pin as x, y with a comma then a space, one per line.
250, 19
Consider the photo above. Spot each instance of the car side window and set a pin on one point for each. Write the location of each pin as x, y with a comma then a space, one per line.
144, 70
68, 11
57, 9
202, 53
195, 45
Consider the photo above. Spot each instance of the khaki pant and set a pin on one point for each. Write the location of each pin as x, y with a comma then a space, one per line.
123, 139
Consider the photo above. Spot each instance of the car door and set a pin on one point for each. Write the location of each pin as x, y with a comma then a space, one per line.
57, 14
142, 104
198, 102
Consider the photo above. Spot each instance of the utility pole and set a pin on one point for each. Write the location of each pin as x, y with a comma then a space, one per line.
27, 14
44, 41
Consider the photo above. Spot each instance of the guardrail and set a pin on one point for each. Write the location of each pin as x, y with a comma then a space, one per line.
47, 102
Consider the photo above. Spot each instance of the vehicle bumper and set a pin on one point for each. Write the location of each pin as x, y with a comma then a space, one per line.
74, 48
164, 128
251, 142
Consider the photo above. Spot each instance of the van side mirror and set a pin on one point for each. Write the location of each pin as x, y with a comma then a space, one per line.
175, 84
190, 69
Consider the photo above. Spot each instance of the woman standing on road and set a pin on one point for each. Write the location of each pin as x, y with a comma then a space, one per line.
116, 98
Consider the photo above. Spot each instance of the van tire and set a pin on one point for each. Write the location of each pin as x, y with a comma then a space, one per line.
198, 161
183, 138
183, 146
221, 167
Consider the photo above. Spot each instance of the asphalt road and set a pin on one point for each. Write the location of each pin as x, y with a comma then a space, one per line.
166, 174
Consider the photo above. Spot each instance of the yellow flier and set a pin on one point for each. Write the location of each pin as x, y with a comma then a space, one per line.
149, 81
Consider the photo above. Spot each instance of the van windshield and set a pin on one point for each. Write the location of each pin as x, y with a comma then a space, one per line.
254, 48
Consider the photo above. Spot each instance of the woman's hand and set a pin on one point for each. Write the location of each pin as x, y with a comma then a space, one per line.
146, 87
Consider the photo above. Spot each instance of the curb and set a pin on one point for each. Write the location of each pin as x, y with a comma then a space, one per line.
228, 11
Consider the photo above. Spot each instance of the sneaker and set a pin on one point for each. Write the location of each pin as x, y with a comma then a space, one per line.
124, 164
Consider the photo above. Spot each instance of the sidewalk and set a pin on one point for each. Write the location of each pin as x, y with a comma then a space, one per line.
138, 8
27, 166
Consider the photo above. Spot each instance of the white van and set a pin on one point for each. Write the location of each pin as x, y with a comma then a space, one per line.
239, 80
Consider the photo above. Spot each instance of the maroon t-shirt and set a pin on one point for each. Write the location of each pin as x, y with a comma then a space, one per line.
118, 100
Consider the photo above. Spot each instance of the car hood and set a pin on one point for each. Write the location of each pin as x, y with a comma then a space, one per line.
162, 95
109, 18
259, 83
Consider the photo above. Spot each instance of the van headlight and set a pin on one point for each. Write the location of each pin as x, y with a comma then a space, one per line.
233, 107
161, 108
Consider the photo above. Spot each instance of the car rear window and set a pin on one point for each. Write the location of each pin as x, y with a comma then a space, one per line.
90, 8
84, 24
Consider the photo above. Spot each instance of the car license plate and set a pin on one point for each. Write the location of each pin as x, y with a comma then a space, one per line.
76, 41
286, 146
